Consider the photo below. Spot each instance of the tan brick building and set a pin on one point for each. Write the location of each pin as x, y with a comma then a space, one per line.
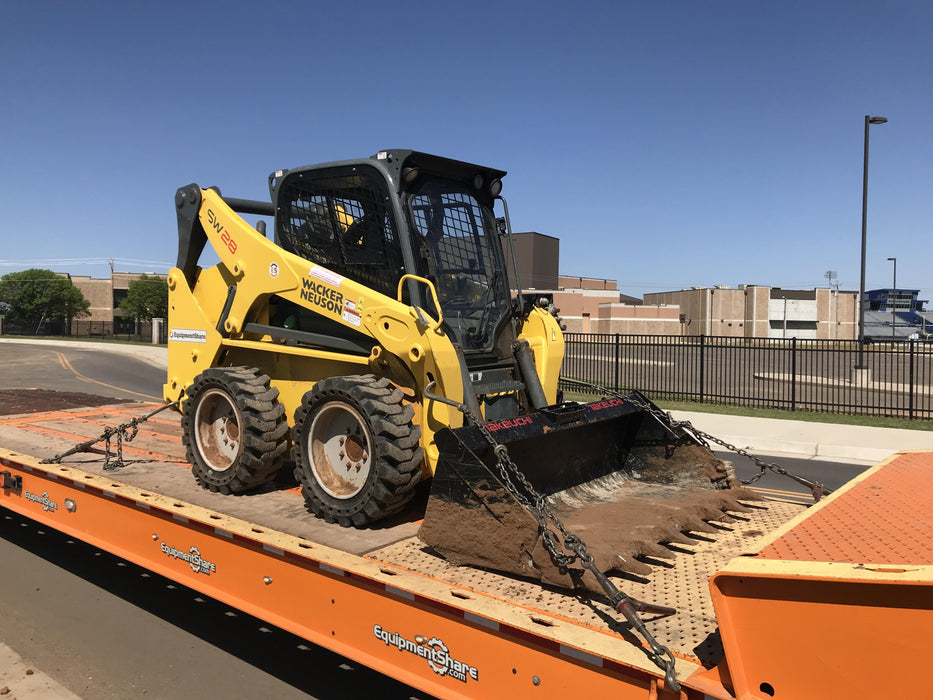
592, 305
104, 294
754, 311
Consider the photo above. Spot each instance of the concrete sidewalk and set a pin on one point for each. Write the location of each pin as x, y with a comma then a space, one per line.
828, 441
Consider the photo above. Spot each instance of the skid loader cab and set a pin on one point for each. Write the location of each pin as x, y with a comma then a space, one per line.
404, 212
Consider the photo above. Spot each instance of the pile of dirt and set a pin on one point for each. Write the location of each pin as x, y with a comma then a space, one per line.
14, 401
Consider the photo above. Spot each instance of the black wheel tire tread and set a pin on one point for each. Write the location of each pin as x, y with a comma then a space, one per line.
397, 464
264, 431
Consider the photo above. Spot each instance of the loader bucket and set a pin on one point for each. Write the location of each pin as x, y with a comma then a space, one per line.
616, 475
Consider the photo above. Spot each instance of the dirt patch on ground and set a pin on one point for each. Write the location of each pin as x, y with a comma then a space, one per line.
14, 401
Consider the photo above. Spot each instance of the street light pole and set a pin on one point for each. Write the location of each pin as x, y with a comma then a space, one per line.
869, 120
894, 303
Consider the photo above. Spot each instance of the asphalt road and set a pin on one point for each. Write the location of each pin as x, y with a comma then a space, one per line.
105, 628
831, 474
108, 629
77, 369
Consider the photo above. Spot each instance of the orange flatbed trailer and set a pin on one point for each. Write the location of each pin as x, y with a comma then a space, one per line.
829, 601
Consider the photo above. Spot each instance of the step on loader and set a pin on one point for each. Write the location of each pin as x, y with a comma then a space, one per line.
376, 335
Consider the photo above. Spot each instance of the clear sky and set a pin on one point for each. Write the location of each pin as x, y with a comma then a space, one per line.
667, 144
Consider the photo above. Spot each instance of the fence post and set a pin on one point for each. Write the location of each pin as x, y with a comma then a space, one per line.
793, 373
615, 384
702, 366
910, 394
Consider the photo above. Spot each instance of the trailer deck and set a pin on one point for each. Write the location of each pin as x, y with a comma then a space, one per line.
380, 595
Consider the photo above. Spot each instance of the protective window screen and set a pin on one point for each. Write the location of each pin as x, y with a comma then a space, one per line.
453, 224
340, 220
458, 235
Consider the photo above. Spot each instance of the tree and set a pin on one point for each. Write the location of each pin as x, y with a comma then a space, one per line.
35, 294
146, 299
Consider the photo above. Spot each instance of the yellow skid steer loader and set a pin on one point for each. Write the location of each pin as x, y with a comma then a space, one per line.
377, 335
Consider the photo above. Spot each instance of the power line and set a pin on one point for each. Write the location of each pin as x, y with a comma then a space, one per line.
61, 262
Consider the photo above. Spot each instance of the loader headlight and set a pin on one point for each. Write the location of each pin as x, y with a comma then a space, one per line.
409, 175
495, 187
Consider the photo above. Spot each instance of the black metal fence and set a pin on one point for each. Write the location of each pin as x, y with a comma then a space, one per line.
140, 331
792, 374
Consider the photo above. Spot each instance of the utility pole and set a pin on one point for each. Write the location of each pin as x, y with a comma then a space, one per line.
833, 278
869, 120
894, 303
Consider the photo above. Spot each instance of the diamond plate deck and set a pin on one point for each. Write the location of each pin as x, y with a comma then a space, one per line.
884, 518
681, 583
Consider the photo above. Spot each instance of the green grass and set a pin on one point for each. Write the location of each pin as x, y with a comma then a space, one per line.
807, 416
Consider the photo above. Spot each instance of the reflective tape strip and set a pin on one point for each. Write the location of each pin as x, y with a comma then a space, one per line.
408, 595
484, 621
581, 655
332, 569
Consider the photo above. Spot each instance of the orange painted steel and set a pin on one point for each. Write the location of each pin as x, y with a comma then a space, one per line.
885, 519
839, 602
354, 606
836, 603
76, 413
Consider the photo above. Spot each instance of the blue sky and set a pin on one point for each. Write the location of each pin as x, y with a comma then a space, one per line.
666, 144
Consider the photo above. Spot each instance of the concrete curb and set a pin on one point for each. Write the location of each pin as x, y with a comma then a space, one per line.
827, 441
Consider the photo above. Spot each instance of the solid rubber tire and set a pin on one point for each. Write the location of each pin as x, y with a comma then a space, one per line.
259, 418
391, 443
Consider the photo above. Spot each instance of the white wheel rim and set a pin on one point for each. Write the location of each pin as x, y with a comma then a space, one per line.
339, 450
218, 429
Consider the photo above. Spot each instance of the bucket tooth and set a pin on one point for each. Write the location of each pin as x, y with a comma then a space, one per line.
732, 499
706, 512
678, 538
697, 525
651, 549
630, 565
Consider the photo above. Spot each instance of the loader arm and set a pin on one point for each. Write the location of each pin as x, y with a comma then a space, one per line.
226, 307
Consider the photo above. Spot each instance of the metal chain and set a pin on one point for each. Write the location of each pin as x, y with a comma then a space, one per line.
816, 488
537, 504
125, 432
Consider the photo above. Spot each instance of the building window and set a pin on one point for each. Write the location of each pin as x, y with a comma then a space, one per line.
793, 325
